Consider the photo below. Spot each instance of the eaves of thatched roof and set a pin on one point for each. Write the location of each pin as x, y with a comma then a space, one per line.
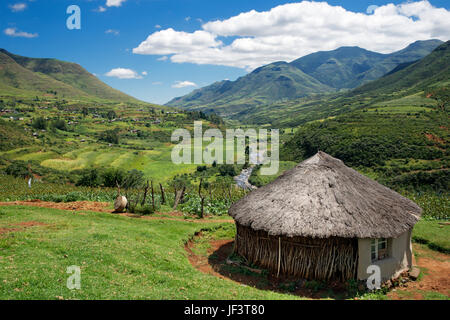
321, 198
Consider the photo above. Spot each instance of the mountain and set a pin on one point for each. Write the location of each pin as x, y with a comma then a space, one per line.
267, 84
433, 70
349, 67
389, 128
317, 73
339, 68
401, 88
32, 76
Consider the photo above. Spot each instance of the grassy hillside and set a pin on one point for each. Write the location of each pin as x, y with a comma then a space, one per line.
125, 258
339, 68
314, 74
407, 87
70, 136
32, 76
276, 81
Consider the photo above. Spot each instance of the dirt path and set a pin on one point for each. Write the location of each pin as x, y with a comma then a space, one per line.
435, 267
72, 206
81, 206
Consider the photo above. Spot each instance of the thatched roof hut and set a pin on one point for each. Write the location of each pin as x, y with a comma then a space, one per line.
316, 220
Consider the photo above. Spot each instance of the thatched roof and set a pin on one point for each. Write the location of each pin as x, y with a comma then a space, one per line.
320, 198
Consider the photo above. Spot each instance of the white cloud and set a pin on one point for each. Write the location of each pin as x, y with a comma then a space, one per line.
112, 31
100, 9
144, 73
163, 58
18, 7
122, 73
183, 84
114, 3
158, 26
292, 30
13, 32
170, 41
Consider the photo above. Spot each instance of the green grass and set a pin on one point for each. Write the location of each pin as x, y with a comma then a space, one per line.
434, 234
120, 258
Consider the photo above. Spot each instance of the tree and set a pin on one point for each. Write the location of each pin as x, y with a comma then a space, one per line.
111, 115
441, 95
59, 124
111, 136
39, 123
85, 112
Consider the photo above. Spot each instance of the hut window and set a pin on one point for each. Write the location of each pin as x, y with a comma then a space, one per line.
379, 249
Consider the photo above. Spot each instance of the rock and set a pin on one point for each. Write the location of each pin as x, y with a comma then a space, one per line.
414, 273
120, 204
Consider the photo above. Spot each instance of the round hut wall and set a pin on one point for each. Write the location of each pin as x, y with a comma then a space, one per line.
307, 258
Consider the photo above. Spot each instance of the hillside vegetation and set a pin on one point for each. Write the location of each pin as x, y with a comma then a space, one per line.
317, 73
28, 77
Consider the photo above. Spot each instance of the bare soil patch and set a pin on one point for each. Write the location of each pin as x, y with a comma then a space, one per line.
71, 206
436, 278
21, 226
105, 207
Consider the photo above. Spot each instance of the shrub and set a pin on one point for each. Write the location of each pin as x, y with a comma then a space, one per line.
59, 124
39, 123
89, 178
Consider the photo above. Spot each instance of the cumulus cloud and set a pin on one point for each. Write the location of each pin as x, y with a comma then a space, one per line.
144, 73
123, 73
292, 30
183, 84
13, 32
170, 41
18, 7
114, 3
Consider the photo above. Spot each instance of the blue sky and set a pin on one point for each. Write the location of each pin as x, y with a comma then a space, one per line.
226, 49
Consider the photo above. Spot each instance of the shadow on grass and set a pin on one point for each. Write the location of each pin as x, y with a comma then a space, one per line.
264, 280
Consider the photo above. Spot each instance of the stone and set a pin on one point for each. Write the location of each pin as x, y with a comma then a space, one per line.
414, 273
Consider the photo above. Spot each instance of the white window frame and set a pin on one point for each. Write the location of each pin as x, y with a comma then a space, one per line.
375, 244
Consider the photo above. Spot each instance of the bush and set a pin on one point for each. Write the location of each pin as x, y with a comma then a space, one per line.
39, 123
110, 136
227, 170
113, 176
18, 169
59, 124
133, 179
89, 178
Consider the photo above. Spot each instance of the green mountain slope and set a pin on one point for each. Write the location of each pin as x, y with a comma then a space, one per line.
33, 76
339, 68
388, 128
349, 67
317, 73
403, 88
433, 70
412, 53
270, 83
